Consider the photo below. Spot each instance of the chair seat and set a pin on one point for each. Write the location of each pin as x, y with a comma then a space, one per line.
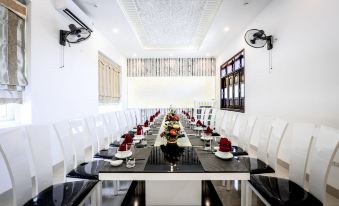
256, 166
87, 170
238, 151
278, 191
65, 194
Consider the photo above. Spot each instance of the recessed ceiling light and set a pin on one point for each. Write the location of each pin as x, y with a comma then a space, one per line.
207, 54
226, 29
171, 55
134, 54
115, 30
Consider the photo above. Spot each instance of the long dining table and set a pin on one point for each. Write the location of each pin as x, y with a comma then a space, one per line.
185, 175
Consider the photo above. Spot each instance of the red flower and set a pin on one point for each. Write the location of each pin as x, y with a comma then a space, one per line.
173, 132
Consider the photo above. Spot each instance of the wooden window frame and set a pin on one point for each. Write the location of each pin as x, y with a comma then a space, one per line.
232, 76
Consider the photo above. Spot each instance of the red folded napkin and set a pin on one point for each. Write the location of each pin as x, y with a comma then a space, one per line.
128, 139
140, 130
124, 147
208, 130
146, 123
225, 145
151, 118
198, 124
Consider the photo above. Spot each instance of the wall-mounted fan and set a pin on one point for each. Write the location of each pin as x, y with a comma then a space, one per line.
75, 35
258, 39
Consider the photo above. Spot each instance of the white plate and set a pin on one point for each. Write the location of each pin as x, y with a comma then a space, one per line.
138, 137
114, 163
224, 155
198, 128
206, 137
123, 155
192, 123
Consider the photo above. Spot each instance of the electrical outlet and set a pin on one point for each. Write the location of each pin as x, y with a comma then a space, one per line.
336, 164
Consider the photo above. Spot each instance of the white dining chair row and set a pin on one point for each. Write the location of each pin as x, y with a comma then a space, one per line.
239, 128
16, 145
74, 136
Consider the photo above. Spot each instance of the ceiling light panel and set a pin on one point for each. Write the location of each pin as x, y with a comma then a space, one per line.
170, 24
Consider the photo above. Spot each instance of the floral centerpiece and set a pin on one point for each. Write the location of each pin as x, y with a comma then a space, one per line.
172, 130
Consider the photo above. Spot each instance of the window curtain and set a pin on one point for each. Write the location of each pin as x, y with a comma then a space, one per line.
12, 57
109, 80
162, 67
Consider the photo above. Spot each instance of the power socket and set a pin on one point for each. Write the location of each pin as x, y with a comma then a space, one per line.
336, 164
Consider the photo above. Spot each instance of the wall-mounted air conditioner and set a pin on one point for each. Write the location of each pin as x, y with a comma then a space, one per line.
72, 11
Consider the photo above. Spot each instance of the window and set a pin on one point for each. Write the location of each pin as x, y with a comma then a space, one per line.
7, 112
12, 58
232, 82
109, 80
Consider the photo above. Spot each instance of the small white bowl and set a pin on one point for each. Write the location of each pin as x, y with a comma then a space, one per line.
115, 163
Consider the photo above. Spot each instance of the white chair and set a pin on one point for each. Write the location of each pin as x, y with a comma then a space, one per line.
90, 124
279, 191
17, 164
211, 118
80, 135
218, 119
101, 132
228, 123
269, 142
122, 121
245, 136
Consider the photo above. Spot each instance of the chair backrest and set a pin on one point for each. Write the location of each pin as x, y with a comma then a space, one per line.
122, 121
39, 139
198, 113
117, 131
79, 135
239, 129
90, 123
100, 130
264, 137
138, 116
62, 130
278, 131
218, 119
128, 119
17, 164
326, 144
212, 118
228, 123
247, 134
109, 127
302, 135
206, 115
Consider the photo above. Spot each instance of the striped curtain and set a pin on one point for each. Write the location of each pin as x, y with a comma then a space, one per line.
109, 80
163, 67
12, 56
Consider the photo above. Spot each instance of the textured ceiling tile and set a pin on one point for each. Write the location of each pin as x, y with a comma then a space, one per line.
170, 24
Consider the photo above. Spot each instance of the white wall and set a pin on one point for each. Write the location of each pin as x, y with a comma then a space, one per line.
155, 92
72, 91
303, 85
55, 94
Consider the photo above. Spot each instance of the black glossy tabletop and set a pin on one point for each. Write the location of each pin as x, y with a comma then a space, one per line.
181, 160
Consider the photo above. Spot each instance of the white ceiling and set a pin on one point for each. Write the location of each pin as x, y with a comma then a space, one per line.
168, 28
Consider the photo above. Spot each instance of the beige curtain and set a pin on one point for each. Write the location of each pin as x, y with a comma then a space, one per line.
109, 80
12, 57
